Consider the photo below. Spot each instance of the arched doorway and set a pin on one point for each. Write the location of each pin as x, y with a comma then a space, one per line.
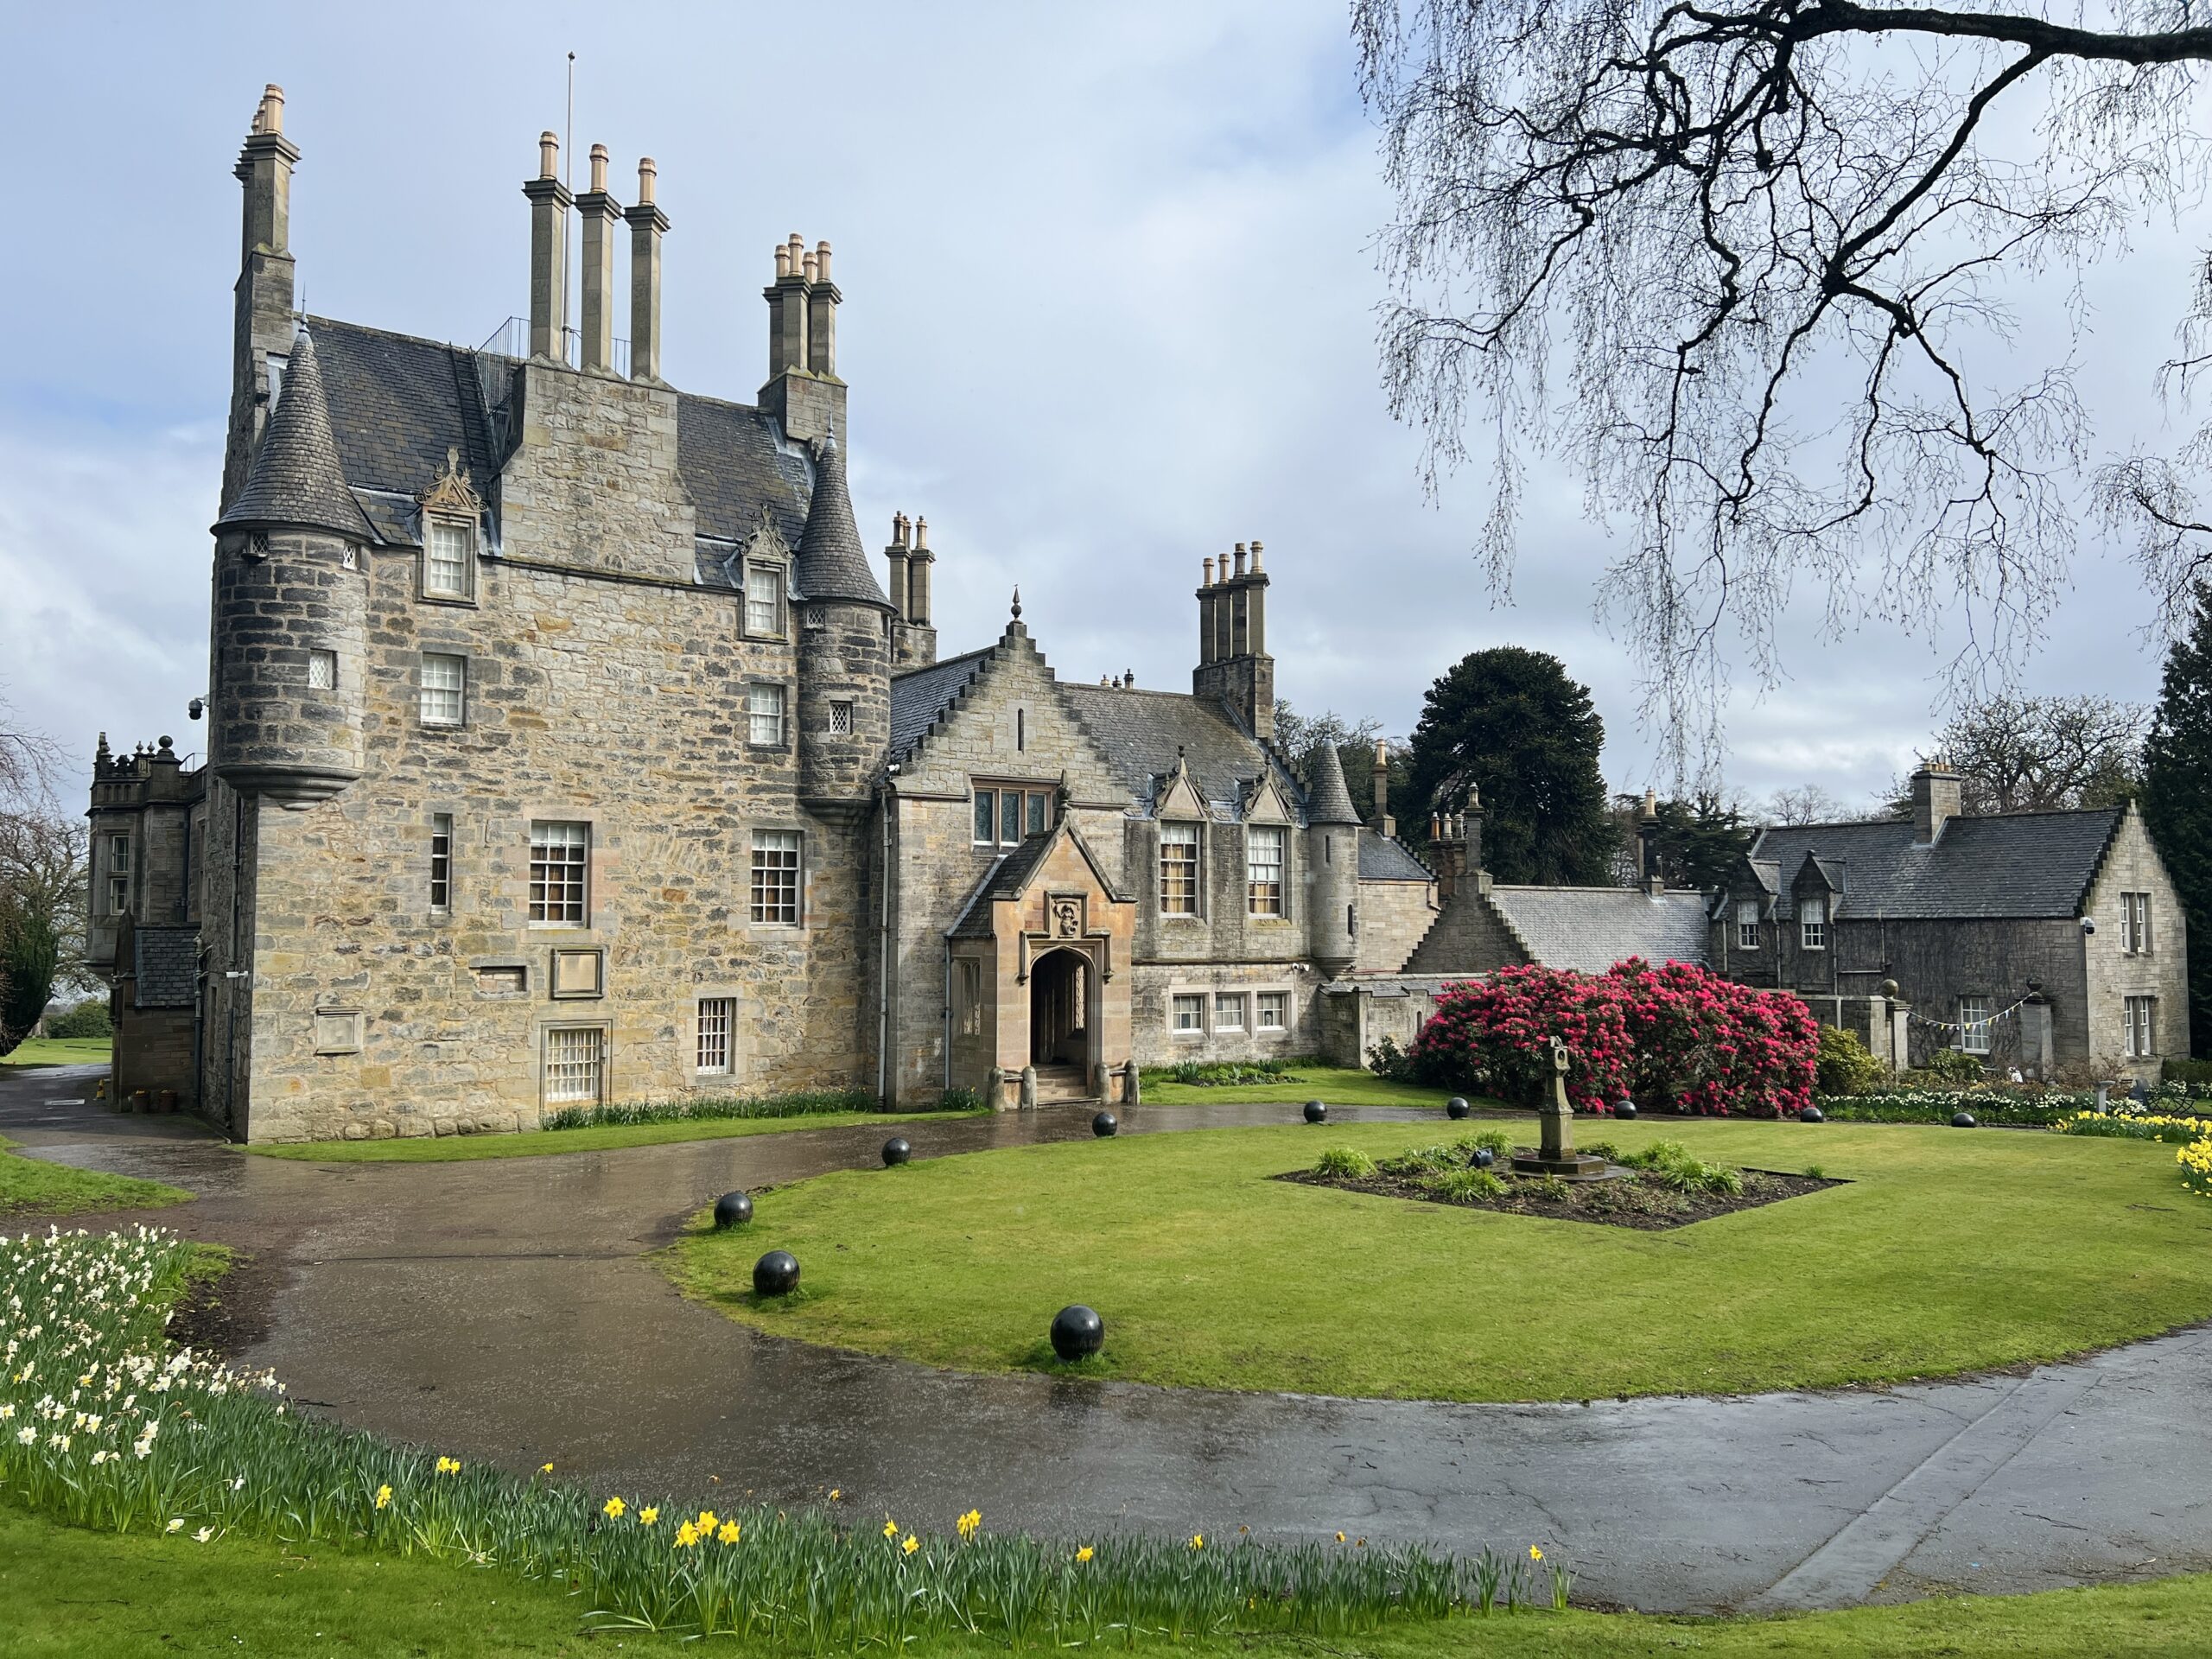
1061, 1027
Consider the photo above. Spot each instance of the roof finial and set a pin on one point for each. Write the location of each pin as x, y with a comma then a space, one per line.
1017, 603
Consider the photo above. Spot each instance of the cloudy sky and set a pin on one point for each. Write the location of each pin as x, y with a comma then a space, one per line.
1109, 282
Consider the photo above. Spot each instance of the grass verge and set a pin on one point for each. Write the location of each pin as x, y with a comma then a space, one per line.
59, 1050
1338, 1086
1943, 1252
31, 1187
600, 1137
70, 1592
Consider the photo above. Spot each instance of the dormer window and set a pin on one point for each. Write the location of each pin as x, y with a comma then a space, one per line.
764, 602
1813, 923
1747, 923
449, 559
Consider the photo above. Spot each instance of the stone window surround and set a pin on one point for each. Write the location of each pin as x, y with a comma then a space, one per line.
595, 991
1203, 999
439, 890
2136, 938
548, 1024
595, 897
703, 993
1285, 876
479, 966
1260, 1027
805, 876
423, 687
998, 789
339, 1030
1197, 910
1251, 993
746, 627
117, 869
784, 719
472, 551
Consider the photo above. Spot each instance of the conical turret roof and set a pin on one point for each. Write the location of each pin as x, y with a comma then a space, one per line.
831, 562
295, 482
1327, 800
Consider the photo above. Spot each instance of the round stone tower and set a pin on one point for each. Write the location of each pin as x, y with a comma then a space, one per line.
290, 613
844, 648
1332, 856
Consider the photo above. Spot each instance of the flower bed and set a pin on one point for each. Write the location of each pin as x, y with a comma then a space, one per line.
104, 1426
1671, 1038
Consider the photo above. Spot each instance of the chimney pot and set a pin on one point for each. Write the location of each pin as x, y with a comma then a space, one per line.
921, 532
897, 530
808, 264
1256, 558
646, 173
270, 116
783, 261
1650, 805
1240, 558
1209, 572
797, 247
822, 261
598, 169
1130, 678
549, 155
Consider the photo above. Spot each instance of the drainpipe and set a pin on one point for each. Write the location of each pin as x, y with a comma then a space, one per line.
944, 1019
890, 801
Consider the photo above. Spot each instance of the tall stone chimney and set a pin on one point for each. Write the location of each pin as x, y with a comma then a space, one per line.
549, 202
1935, 801
647, 225
1234, 666
1385, 825
601, 214
265, 322
803, 391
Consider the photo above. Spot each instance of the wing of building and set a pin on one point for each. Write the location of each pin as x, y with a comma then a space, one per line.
2034, 940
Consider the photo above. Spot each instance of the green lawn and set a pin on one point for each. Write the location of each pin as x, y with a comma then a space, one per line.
68, 1592
61, 1051
1948, 1251
31, 1186
457, 1148
1338, 1086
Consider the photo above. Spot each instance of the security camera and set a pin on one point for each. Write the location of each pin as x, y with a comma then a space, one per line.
2088, 925
196, 707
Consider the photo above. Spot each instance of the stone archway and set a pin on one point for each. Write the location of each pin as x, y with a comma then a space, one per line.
1062, 1024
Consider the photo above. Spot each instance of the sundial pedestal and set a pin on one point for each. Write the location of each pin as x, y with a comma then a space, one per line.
1556, 1155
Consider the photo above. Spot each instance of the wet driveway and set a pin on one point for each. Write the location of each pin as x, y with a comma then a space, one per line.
500, 1310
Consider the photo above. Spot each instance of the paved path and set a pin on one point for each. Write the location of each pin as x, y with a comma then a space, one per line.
501, 1310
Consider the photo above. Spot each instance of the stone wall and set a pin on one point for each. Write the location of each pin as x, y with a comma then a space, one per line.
1393, 916
1469, 937
2113, 973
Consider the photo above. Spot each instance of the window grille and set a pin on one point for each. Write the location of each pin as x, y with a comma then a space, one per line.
714, 1021
441, 860
1178, 869
322, 671
575, 1063
445, 689
560, 862
775, 875
840, 719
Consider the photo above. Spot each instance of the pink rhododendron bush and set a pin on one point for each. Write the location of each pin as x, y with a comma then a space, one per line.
1673, 1039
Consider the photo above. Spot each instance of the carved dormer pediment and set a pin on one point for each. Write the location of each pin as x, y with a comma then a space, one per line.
1262, 801
450, 494
1176, 796
766, 545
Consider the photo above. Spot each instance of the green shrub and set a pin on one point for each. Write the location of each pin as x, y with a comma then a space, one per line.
1498, 1140
1386, 1059
1675, 1164
960, 1100
88, 1020
1345, 1163
2194, 1074
1464, 1184
1605, 1150
801, 1104
1416, 1159
1553, 1187
1844, 1066
1214, 1074
1947, 1065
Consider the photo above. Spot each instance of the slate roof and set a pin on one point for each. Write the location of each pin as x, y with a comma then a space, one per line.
919, 697
165, 961
1590, 929
1141, 731
2021, 864
1328, 801
1383, 858
399, 402
1012, 874
831, 564
296, 481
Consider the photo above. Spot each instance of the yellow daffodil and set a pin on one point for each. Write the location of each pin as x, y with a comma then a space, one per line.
1340, 1537
890, 1528
648, 1516
835, 1494
1197, 1541
544, 1468
731, 1532
448, 1465
1535, 1554
614, 1508
383, 1498
686, 1535
707, 1521
1083, 1554
970, 1523
911, 1544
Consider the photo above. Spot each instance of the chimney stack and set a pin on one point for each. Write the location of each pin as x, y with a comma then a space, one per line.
1935, 800
896, 553
913, 641
1385, 825
263, 325
821, 315
919, 560
803, 391
647, 225
601, 214
549, 202
1647, 831
1233, 662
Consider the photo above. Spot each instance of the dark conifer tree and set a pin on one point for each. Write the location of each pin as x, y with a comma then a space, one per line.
1510, 723
2178, 798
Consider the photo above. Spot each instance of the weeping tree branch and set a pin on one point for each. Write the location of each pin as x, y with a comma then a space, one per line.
1749, 270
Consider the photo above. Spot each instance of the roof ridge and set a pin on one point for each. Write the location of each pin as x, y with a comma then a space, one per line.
943, 662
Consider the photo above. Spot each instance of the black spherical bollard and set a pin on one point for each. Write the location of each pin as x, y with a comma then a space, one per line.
1482, 1158
1962, 1120
1812, 1114
1625, 1109
733, 1209
1105, 1125
1457, 1107
1316, 1112
1078, 1332
775, 1274
896, 1151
